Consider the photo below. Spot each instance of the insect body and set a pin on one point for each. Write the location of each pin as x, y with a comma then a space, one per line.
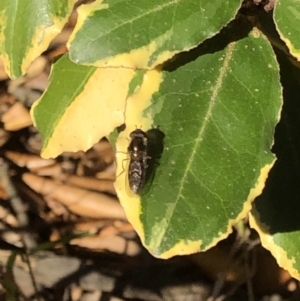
137, 150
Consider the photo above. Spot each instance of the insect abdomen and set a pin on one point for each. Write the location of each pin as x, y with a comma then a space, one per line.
136, 176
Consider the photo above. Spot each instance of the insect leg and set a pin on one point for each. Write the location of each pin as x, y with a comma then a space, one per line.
123, 169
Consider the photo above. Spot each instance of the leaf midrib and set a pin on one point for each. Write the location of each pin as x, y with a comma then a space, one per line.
198, 139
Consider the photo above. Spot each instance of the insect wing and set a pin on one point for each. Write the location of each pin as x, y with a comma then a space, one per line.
136, 175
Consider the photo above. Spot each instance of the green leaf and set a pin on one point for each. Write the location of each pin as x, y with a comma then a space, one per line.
276, 211
287, 18
136, 81
149, 32
218, 115
81, 105
27, 28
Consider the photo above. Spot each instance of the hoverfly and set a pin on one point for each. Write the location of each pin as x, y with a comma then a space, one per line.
137, 150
